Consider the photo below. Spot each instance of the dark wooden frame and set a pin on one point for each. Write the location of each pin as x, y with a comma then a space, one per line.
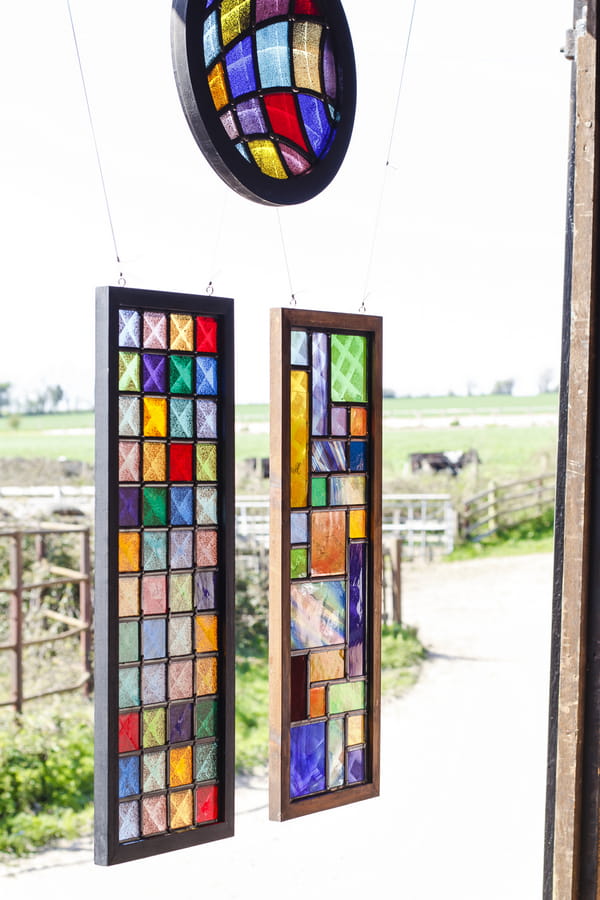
282, 322
108, 850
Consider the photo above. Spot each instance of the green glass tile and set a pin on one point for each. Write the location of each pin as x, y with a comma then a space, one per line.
181, 417
206, 462
129, 687
129, 371
346, 696
129, 644
206, 718
206, 761
180, 592
318, 491
348, 368
154, 506
153, 727
298, 562
181, 374
335, 753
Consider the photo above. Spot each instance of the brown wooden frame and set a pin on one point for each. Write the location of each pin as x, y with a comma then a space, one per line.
282, 323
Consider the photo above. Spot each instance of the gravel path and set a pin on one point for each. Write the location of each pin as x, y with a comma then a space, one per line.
461, 812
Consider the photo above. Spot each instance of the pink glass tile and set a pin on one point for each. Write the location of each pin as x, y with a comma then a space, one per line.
206, 547
155, 331
129, 461
154, 594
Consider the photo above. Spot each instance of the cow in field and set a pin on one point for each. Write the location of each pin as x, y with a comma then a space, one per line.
447, 460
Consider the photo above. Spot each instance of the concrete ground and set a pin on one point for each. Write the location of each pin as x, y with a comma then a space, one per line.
461, 811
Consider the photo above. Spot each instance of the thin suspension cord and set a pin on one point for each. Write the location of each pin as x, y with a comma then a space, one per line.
389, 153
97, 151
285, 257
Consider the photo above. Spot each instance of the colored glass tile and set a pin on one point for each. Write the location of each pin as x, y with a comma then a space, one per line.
180, 592
346, 696
355, 733
129, 461
129, 732
268, 9
154, 373
181, 809
154, 506
206, 718
358, 421
129, 776
206, 462
154, 638
181, 336
206, 375
206, 547
266, 156
129, 507
206, 634
206, 505
181, 417
204, 590
207, 804
180, 766
356, 611
154, 550
180, 636
250, 117
182, 505
129, 596
154, 814
318, 702
154, 594
155, 417
306, 55
328, 545
358, 456
155, 331
328, 456
299, 348
284, 118
129, 688
272, 49
298, 562
235, 19
206, 761
299, 438
211, 42
318, 491
181, 679
154, 771
181, 549
129, 416
129, 328
218, 86
129, 551
206, 675
329, 69
181, 462
181, 374
154, 727
307, 759
326, 665
181, 722
299, 687
357, 527
298, 528
206, 334
348, 368
356, 765
129, 371
154, 683
335, 753
154, 461
347, 490
318, 126
320, 389
129, 820
318, 614
206, 419
339, 421
239, 63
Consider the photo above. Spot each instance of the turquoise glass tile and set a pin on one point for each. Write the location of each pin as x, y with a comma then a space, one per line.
129, 687
154, 550
206, 761
181, 417
212, 44
273, 51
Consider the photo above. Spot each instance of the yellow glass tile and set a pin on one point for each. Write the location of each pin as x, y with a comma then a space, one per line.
129, 551
356, 730
155, 416
358, 523
267, 159
298, 438
181, 809
206, 634
327, 665
155, 462
206, 675
235, 19
218, 87
129, 597
182, 332
306, 55
358, 420
180, 766
206, 462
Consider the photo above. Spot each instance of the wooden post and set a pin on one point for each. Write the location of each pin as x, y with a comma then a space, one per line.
16, 622
492, 508
85, 608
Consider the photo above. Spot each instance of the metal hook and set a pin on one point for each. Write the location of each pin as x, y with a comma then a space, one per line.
293, 301
210, 289
122, 281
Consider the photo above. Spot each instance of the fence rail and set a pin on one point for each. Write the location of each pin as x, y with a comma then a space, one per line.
503, 505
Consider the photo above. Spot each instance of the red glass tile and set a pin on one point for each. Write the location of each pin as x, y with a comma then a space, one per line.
206, 335
306, 8
207, 804
284, 118
129, 732
180, 462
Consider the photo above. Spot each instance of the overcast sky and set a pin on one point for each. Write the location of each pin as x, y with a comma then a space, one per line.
463, 257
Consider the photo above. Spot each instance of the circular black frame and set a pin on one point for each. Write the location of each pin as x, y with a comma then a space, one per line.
187, 22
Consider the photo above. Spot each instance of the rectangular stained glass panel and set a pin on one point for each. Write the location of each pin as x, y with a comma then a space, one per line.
164, 586
325, 578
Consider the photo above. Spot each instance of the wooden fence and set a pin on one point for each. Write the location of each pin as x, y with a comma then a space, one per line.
504, 505
18, 588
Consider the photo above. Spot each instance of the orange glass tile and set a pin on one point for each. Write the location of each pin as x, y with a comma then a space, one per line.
317, 702
327, 665
218, 87
206, 634
299, 438
154, 466
181, 809
180, 766
356, 730
206, 675
129, 597
206, 547
328, 545
129, 551
181, 332
357, 523
155, 416
358, 420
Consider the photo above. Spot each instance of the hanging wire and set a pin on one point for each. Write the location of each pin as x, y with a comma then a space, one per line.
122, 281
293, 301
363, 307
213, 267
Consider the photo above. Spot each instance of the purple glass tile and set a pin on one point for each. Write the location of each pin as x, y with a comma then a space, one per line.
356, 765
307, 759
181, 716
339, 420
181, 549
298, 528
356, 642
204, 590
154, 373
154, 683
251, 117
329, 70
129, 328
129, 507
296, 163
319, 383
206, 419
129, 820
266, 9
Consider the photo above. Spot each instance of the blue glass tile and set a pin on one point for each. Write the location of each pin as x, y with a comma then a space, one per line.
206, 375
273, 50
240, 68
181, 417
251, 118
318, 128
204, 590
328, 456
154, 635
241, 148
154, 550
307, 759
320, 383
298, 528
356, 609
358, 456
212, 46
182, 505
129, 328
129, 776
129, 507
154, 373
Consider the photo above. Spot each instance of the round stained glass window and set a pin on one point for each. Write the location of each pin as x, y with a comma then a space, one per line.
269, 91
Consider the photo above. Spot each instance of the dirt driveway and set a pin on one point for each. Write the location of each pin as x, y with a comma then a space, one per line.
461, 812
